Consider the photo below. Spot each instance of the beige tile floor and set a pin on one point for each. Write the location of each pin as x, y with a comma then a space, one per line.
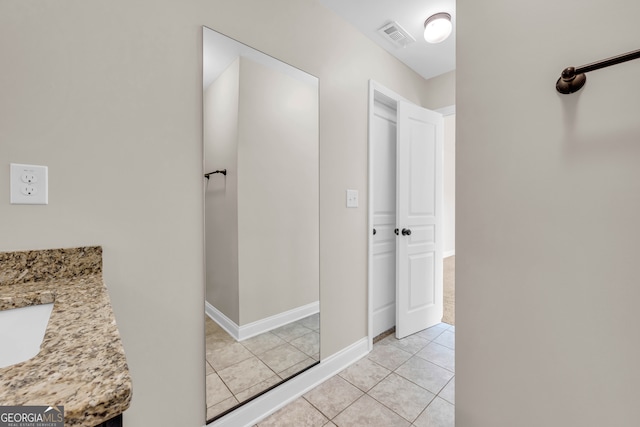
237, 371
407, 382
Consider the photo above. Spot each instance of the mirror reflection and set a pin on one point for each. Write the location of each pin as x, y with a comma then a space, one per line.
261, 222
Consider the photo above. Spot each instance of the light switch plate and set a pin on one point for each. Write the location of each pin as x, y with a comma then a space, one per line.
29, 184
352, 198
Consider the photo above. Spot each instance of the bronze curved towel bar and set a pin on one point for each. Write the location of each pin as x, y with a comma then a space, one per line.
572, 78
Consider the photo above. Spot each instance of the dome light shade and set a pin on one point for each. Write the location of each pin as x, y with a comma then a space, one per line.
437, 27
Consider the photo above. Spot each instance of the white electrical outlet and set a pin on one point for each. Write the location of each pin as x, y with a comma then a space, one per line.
29, 184
28, 190
352, 198
28, 178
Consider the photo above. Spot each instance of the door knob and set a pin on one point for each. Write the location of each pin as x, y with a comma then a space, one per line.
374, 231
406, 232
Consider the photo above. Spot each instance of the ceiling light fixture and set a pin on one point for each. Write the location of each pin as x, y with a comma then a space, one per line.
437, 27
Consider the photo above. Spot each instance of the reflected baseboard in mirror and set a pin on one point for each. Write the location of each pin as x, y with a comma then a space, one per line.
238, 371
262, 233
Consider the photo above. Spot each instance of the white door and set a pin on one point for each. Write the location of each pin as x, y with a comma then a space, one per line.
383, 203
420, 140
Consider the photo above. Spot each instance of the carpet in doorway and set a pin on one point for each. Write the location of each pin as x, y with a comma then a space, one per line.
449, 291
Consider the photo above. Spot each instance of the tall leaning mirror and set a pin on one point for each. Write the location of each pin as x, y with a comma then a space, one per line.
261, 222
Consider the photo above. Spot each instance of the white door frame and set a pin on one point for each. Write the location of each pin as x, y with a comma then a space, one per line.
388, 93
385, 92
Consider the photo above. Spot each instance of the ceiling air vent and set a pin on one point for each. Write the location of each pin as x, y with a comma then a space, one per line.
397, 35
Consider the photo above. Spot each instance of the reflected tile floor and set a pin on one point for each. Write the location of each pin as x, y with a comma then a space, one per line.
237, 371
408, 382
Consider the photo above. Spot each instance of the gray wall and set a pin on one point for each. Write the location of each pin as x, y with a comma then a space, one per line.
440, 91
262, 241
261, 218
547, 216
109, 96
278, 212
220, 136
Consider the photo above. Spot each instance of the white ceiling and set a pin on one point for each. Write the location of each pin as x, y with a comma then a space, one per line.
368, 16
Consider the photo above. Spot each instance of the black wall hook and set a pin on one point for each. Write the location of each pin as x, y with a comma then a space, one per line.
223, 172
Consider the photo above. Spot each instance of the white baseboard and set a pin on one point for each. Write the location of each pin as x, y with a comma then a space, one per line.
222, 320
265, 325
263, 406
260, 326
448, 254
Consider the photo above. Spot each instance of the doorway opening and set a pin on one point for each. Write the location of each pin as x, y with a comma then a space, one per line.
394, 232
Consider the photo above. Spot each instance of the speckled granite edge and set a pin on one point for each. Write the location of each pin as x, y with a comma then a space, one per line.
48, 264
26, 299
81, 364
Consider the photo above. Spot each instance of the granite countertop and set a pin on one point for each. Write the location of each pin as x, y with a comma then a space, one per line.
81, 364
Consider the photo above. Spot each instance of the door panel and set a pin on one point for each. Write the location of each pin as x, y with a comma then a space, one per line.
421, 152
421, 269
422, 234
384, 219
419, 205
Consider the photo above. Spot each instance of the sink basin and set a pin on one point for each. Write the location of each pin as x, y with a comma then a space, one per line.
21, 332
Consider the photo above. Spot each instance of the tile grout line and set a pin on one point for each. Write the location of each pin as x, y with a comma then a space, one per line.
277, 375
412, 355
412, 382
435, 395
